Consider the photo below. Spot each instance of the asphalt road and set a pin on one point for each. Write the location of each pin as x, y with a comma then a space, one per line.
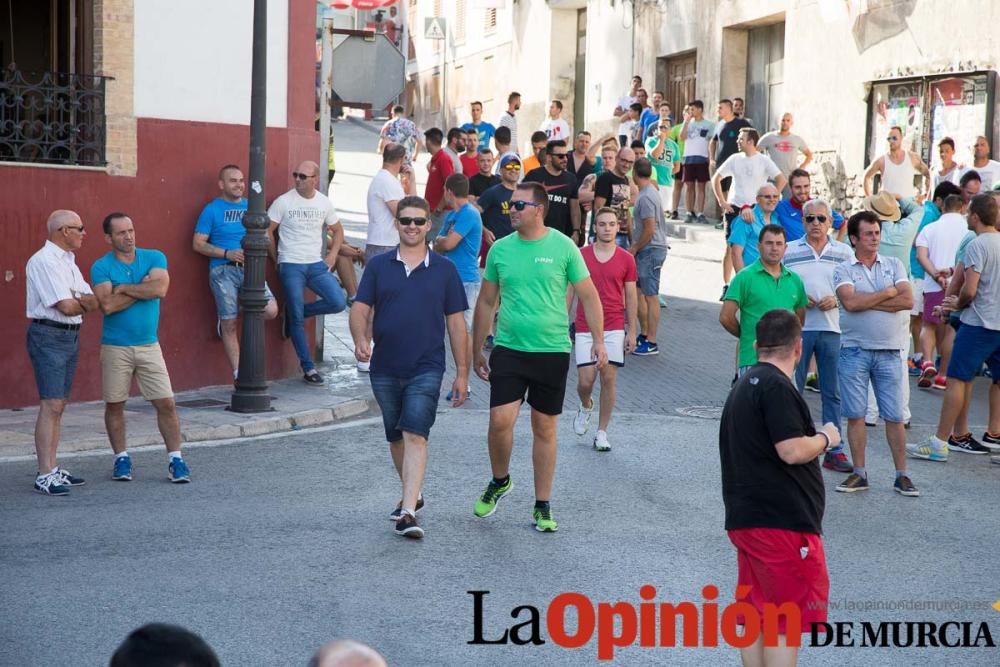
281, 544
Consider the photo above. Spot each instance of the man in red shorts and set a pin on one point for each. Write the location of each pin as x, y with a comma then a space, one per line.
773, 489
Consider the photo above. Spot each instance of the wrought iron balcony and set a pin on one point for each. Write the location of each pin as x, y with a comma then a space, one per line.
52, 118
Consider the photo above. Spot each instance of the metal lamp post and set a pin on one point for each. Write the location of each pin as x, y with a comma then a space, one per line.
251, 393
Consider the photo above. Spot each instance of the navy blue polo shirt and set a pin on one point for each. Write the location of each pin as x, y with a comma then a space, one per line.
410, 312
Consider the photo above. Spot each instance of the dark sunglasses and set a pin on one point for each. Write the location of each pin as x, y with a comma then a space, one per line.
561, 156
892, 138
406, 222
816, 218
300, 177
767, 196
78, 228
519, 205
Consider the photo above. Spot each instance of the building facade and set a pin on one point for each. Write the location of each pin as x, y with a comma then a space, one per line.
133, 105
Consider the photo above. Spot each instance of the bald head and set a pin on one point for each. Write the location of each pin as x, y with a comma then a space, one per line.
307, 178
624, 161
61, 218
347, 653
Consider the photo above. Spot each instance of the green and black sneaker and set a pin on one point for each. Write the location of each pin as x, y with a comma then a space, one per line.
544, 523
487, 503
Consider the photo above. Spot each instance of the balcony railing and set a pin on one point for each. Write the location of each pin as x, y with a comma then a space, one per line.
52, 118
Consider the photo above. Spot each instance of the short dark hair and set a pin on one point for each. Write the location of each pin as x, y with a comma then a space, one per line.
162, 645
751, 134
642, 90
558, 104
771, 229
455, 132
953, 203
738, 99
583, 132
777, 331
947, 141
798, 173
637, 144
393, 152
538, 135
434, 136
458, 185
472, 104
398, 109
635, 106
111, 217
636, 76
726, 100
555, 143
502, 135
643, 168
227, 167
413, 201
604, 210
854, 223
944, 189
971, 175
538, 194
984, 207
897, 128
513, 96
697, 103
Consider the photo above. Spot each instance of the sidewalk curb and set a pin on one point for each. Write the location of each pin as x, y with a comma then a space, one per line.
693, 233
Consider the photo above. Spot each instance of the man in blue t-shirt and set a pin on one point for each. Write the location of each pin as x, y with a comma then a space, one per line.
484, 130
129, 283
219, 236
789, 210
415, 294
459, 240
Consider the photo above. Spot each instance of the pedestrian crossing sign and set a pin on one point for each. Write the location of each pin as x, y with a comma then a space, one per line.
435, 28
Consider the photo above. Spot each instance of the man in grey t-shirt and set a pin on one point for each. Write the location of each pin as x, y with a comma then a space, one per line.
978, 338
783, 147
649, 246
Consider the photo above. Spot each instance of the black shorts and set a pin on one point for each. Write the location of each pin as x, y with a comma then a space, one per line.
726, 183
696, 172
542, 375
730, 218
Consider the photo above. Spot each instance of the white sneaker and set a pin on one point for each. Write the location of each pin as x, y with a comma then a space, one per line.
601, 443
581, 423
364, 366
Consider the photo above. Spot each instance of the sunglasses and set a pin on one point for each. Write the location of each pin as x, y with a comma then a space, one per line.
519, 205
767, 196
78, 228
561, 156
892, 138
406, 222
301, 177
513, 166
816, 218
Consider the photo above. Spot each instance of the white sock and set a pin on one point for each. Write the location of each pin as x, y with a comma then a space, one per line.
174, 455
123, 454
940, 444
236, 374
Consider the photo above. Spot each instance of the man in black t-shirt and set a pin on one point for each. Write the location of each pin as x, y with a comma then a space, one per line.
562, 188
614, 189
724, 141
772, 487
484, 178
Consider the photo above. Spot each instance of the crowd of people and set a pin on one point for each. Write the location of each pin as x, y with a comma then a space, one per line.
518, 255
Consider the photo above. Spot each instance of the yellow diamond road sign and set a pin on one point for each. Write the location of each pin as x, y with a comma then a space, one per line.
434, 27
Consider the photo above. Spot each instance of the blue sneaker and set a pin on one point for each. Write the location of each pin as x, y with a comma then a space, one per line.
177, 472
123, 469
646, 349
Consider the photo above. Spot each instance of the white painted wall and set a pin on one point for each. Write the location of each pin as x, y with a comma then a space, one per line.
192, 60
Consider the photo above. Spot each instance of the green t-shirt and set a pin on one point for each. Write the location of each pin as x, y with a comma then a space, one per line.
533, 277
755, 291
665, 165
675, 136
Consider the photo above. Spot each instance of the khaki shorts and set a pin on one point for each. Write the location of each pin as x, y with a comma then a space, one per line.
120, 363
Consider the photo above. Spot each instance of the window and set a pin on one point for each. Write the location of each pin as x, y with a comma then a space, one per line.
460, 21
491, 21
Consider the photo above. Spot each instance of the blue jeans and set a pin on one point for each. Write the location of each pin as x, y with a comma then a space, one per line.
407, 404
294, 279
883, 368
826, 346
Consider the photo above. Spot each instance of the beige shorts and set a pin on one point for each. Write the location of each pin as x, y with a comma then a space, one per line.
120, 363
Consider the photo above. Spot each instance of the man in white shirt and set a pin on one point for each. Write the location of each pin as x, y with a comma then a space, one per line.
749, 170
57, 298
509, 120
898, 167
554, 126
989, 170
626, 100
301, 217
937, 244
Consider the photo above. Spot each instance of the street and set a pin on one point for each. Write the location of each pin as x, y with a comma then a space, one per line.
282, 542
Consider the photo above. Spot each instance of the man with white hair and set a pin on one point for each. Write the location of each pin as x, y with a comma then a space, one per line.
347, 653
814, 257
743, 238
57, 298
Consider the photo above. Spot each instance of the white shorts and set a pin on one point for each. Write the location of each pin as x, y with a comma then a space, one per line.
918, 300
471, 296
614, 342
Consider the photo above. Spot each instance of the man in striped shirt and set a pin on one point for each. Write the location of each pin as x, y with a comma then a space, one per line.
814, 258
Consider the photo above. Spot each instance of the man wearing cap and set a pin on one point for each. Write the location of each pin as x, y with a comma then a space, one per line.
900, 220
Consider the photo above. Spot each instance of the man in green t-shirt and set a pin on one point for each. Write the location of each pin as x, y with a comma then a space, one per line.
665, 155
762, 286
676, 137
531, 270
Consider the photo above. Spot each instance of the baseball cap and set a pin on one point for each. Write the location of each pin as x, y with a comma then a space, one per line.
508, 158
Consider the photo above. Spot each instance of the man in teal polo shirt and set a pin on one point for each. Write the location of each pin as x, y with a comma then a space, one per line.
764, 285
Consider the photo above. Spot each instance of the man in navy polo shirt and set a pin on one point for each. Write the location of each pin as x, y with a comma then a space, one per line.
414, 293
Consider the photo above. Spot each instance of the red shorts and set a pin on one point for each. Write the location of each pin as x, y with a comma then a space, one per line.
771, 563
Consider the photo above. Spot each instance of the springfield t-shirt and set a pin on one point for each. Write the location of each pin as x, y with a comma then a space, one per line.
300, 226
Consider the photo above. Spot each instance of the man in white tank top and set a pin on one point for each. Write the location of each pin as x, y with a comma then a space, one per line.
898, 167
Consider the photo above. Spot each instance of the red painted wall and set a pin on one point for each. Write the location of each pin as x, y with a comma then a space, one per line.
178, 163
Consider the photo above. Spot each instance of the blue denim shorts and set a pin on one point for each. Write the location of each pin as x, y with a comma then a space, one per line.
53, 353
407, 404
884, 370
973, 346
648, 263
225, 281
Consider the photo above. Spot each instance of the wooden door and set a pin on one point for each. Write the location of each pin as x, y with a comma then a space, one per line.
676, 76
